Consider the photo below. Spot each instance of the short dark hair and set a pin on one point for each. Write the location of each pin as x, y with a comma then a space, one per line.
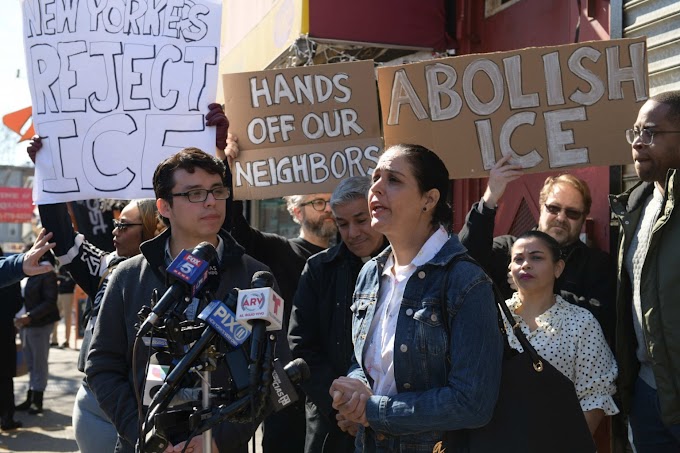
548, 240
671, 99
430, 173
188, 159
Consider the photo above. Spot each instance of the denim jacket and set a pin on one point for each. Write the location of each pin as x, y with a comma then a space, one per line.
443, 383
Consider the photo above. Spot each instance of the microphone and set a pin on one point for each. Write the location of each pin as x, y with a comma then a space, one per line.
220, 317
260, 303
259, 309
283, 391
221, 321
159, 367
189, 268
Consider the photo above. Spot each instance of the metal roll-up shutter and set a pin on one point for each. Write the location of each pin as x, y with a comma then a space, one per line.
659, 20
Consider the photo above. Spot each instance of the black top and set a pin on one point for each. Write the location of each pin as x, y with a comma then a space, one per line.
587, 279
286, 257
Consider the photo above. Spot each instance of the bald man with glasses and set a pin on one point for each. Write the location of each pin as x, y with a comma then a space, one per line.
564, 200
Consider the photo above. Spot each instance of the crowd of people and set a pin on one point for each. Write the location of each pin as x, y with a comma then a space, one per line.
396, 316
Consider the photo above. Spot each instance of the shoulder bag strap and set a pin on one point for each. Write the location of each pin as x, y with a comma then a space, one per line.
502, 308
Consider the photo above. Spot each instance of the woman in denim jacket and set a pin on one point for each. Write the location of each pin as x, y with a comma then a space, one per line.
411, 381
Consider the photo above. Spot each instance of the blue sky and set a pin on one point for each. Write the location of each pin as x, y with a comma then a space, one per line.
14, 93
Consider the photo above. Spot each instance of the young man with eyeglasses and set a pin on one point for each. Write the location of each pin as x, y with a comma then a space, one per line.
647, 342
191, 199
564, 203
284, 431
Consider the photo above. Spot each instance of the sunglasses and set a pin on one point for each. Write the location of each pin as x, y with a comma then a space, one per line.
572, 214
122, 226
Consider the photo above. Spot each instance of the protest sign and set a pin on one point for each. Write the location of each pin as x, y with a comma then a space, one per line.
117, 87
15, 205
550, 108
302, 130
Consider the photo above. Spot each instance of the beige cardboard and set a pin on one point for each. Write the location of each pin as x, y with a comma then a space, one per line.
341, 97
579, 102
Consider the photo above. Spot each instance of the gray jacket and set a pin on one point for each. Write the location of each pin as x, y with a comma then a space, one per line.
109, 367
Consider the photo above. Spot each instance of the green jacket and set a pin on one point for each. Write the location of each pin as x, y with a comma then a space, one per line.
660, 296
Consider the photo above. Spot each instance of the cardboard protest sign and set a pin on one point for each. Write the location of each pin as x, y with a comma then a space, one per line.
302, 130
117, 87
550, 108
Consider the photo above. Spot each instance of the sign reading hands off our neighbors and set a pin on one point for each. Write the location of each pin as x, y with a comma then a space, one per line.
550, 108
302, 130
117, 87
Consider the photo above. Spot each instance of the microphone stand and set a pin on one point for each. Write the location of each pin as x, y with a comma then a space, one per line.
205, 388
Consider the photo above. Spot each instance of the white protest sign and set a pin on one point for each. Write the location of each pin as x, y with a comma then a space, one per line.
117, 86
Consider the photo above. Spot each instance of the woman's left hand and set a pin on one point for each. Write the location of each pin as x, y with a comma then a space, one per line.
349, 398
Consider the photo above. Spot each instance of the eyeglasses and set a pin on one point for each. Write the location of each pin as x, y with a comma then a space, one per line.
572, 214
122, 226
200, 195
318, 204
646, 135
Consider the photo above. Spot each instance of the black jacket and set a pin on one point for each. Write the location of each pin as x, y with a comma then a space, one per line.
286, 258
321, 334
86, 264
10, 304
40, 299
109, 366
588, 277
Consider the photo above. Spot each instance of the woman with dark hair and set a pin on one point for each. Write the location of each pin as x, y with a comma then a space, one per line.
40, 301
427, 347
566, 335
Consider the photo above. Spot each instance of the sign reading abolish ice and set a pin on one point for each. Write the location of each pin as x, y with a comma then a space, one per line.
550, 108
117, 87
302, 130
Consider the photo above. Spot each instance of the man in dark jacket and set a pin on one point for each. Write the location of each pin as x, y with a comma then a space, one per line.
647, 342
191, 193
564, 203
284, 431
321, 320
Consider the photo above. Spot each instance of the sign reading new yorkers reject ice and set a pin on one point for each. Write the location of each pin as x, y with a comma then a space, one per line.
117, 87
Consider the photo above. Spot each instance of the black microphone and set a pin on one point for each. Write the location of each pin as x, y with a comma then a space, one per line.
297, 371
189, 270
220, 321
261, 279
284, 379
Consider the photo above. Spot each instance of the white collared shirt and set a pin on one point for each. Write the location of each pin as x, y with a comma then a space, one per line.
379, 348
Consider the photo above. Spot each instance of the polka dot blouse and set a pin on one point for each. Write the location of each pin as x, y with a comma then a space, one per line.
571, 339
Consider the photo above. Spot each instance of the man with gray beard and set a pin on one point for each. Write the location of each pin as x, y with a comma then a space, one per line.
285, 431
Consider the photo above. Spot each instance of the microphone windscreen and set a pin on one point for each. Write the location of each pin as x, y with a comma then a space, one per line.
262, 279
